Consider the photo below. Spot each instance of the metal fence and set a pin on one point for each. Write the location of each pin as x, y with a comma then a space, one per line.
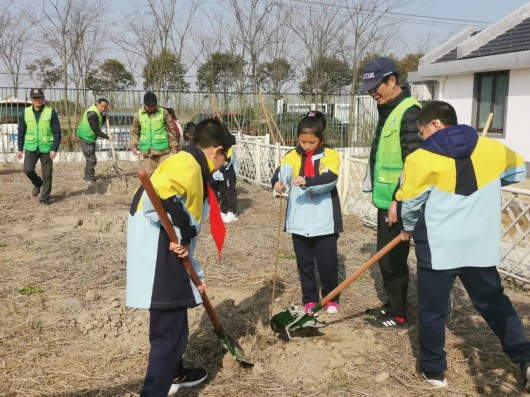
258, 160
347, 125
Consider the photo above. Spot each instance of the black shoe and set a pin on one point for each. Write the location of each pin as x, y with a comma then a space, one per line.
387, 321
377, 312
435, 379
189, 377
89, 181
44, 201
35, 192
525, 375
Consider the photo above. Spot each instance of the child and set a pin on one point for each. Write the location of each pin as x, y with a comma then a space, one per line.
313, 209
189, 128
225, 182
156, 278
177, 127
451, 204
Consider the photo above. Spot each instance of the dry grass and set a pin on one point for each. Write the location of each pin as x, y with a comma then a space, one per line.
76, 337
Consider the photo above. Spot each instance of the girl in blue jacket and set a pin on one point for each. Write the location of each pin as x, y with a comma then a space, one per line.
314, 216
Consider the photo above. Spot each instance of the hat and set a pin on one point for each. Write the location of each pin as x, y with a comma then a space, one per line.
150, 99
36, 93
376, 71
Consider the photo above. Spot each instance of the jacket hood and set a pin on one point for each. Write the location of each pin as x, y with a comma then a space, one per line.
457, 141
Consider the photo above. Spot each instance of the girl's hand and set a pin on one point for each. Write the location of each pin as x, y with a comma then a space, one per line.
405, 235
278, 187
202, 288
299, 181
180, 250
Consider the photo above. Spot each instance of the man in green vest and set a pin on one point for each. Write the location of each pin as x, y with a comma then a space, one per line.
396, 136
89, 130
39, 135
152, 132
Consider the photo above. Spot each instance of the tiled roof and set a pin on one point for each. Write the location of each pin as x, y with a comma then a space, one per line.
514, 39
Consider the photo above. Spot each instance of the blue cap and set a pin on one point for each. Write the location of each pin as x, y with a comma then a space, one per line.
376, 71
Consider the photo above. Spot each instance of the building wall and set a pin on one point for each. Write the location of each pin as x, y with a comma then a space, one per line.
458, 91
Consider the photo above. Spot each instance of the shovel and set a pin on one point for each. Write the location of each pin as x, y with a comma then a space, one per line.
114, 162
295, 317
229, 343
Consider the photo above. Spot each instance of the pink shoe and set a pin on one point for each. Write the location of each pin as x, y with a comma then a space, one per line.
309, 306
332, 307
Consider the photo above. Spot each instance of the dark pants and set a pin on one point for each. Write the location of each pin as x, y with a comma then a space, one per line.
30, 161
168, 335
483, 285
393, 266
322, 251
89, 151
228, 195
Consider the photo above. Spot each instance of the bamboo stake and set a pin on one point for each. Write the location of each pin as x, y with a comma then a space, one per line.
487, 125
266, 114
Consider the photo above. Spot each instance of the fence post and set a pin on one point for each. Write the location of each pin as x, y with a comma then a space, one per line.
257, 159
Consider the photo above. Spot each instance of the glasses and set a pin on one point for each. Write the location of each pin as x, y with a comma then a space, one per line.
376, 87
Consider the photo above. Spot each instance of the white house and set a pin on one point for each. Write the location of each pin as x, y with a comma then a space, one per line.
479, 72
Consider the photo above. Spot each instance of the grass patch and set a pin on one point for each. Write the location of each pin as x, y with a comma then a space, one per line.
29, 290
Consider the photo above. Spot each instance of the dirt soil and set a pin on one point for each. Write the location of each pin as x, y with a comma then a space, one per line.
65, 330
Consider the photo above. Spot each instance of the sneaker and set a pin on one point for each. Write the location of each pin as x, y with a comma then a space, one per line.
191, 377
435, 379
525, 375
387, 321
377, 312
309, 306
36, 190
332, 307
225, 218
230, 215
89, 181
44, 202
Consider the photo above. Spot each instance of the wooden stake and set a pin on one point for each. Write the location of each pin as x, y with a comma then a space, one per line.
487, 125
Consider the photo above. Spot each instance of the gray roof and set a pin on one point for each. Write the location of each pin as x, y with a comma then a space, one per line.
512, 40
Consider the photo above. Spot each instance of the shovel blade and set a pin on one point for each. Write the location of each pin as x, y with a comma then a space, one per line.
292, 319
233, 348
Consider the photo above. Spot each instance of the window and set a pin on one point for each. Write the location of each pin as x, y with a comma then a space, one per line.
491, 92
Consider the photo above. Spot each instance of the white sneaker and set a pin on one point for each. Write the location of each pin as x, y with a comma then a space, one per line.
231, 216
225, 218
436, 380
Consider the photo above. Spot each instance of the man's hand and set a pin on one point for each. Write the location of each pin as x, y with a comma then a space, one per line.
134, 150
202, 288
180, 250
392, 213
53, 154
20, 154
405, 235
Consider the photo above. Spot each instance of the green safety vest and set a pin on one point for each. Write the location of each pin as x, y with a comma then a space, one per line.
84, 131
388, 159
38, 135
153, 130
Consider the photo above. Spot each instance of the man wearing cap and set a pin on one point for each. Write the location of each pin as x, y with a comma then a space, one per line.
39, 135
89, 130
152, 132
396, 136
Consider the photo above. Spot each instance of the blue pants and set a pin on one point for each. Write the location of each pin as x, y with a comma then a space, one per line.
168, 335
322, 251
483, 285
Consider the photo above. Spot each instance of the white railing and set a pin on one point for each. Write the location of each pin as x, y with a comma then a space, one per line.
257, 162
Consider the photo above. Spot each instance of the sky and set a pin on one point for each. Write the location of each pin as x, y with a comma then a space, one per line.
449, 12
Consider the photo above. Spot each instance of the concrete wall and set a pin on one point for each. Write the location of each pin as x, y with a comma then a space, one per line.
458, 91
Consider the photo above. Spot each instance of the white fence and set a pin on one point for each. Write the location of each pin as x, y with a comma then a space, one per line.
258, 160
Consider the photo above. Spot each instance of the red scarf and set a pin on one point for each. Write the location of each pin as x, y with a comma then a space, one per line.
217, 226
309, 169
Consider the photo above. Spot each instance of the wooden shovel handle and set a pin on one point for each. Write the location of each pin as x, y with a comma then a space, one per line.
168, 226
487, 125
111, 140
382, 252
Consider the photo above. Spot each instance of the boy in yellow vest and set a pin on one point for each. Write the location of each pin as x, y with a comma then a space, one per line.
152, 132
39, 135
89, 130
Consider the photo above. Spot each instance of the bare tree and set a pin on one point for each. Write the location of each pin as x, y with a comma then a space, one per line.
158, 27
14, 39
251, 18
